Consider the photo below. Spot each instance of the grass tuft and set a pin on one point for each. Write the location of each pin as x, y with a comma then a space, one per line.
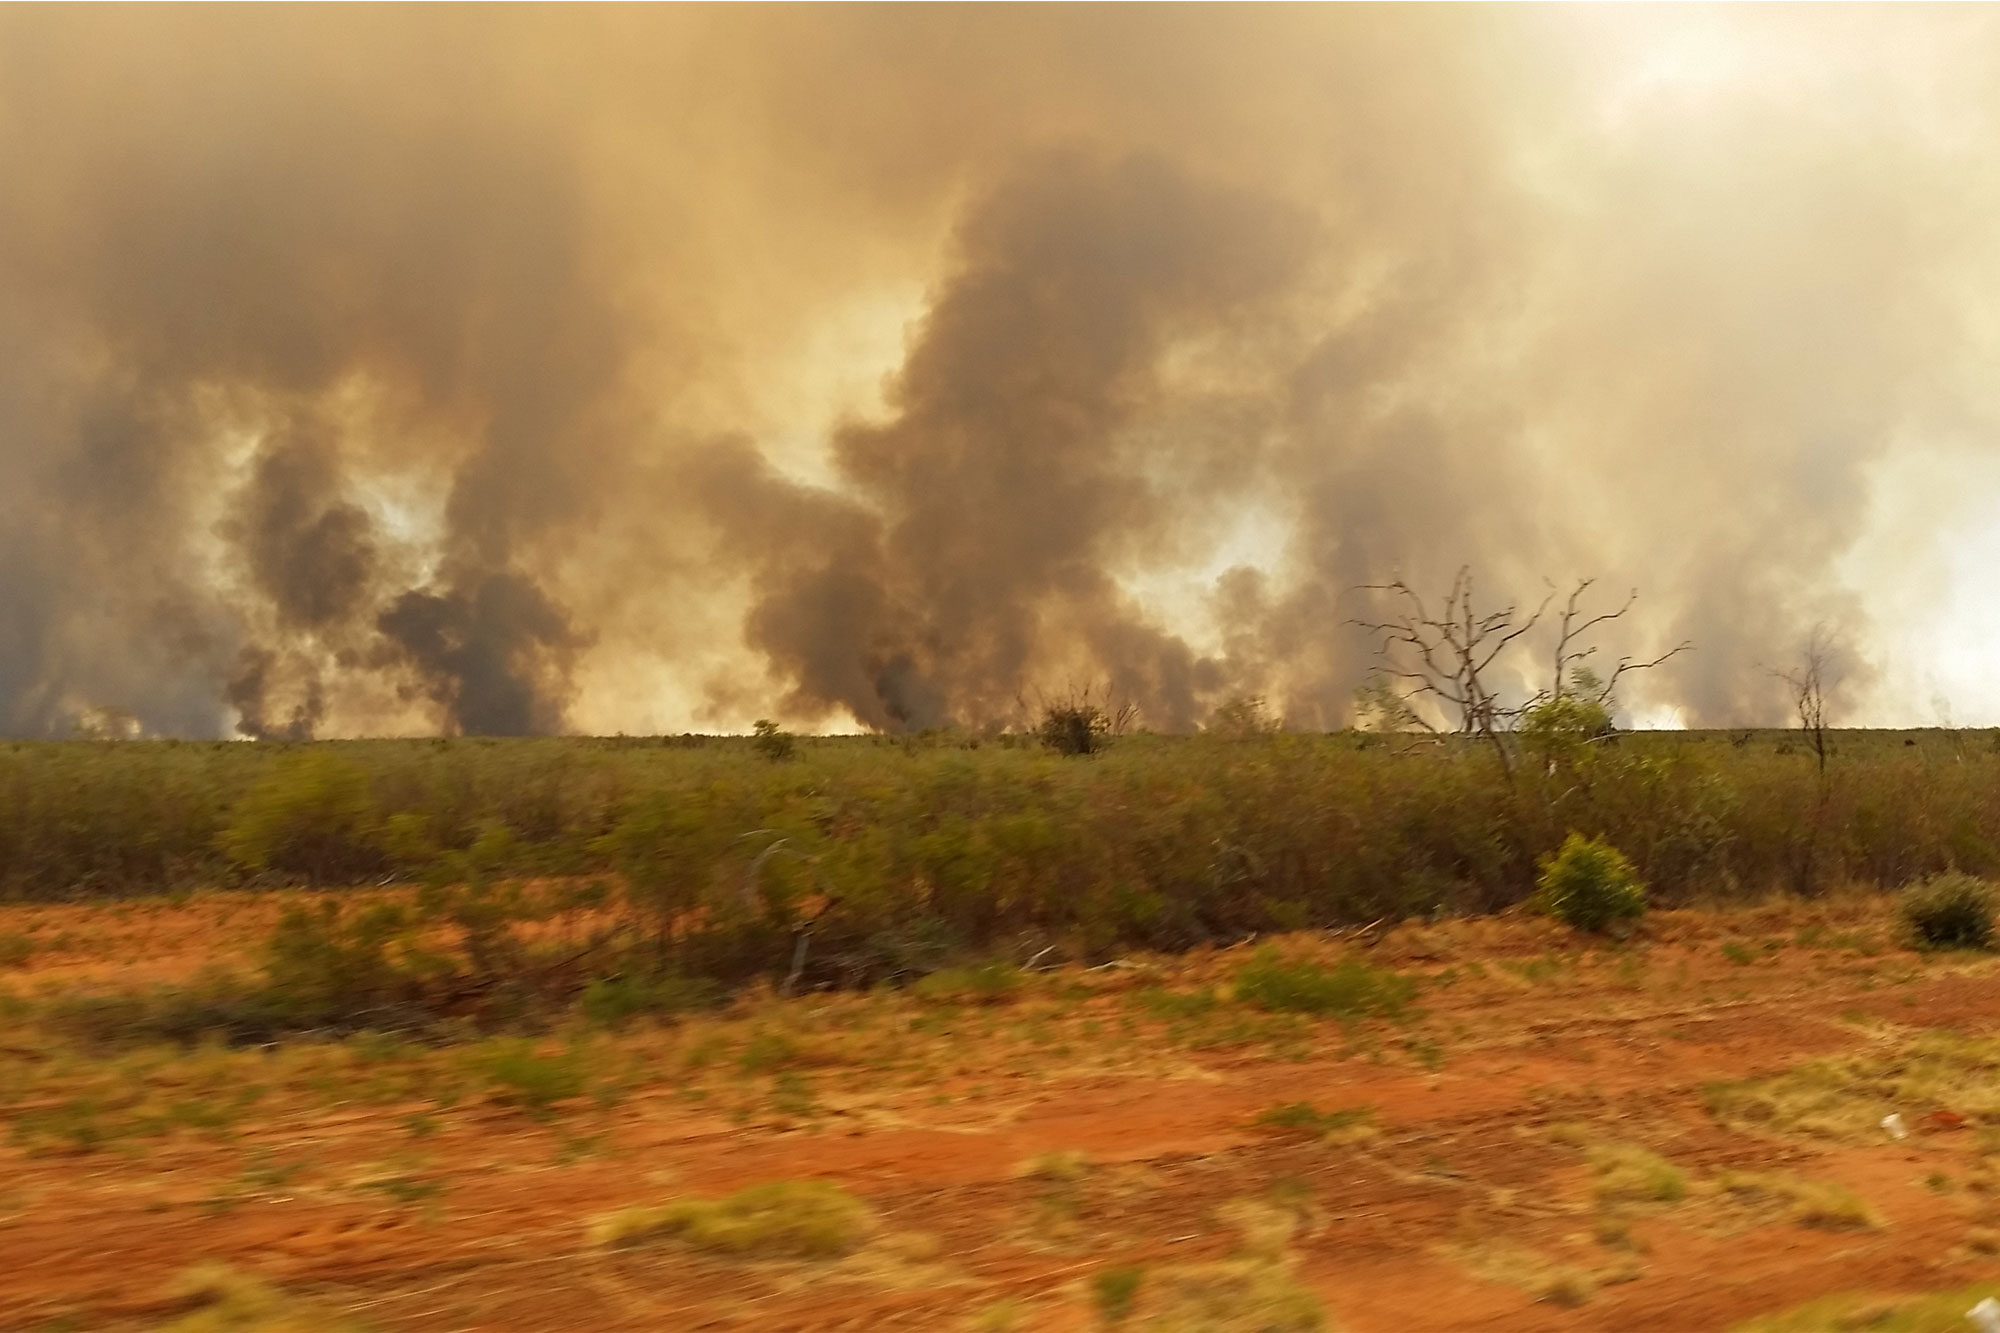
784, 1219
1115, 1291
1844, 1098
227, 1301
1629, 1173
522, 1076
1347, 991
1230, 1296
1350, 1124
1811, 1203
1935, 1312
1062, 1167
986, 983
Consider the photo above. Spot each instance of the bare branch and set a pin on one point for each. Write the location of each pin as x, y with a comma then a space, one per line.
1626, 664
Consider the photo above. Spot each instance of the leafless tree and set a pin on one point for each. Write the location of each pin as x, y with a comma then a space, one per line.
1573, 656
1808, 681
1446, 657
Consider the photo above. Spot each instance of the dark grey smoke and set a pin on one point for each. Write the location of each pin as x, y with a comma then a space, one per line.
309, 552
249, 691
486, 653
374, 285
973, 557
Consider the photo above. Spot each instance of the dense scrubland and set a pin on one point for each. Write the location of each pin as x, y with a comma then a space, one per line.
677, 862
1161, 840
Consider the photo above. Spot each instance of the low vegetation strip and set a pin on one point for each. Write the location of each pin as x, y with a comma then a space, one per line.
1157, 832
648, 876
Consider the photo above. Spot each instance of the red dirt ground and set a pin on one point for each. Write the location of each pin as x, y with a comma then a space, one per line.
355, 1182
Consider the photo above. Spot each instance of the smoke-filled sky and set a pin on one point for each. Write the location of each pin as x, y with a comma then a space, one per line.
500, 370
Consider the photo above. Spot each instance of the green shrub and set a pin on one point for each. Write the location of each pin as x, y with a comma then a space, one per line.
667, 848
772, 743
1347, 991
523, 1076
615, 1000
766, 1051
1115, 1291
336, 964
1176, 1005
1948, 911
1590, 885
312, 816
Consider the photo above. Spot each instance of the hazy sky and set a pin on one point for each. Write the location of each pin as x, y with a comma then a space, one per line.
391, 370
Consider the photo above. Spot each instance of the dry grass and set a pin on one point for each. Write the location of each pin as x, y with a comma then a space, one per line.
1627, 1173
781, 1220
1810, 1203
227, 1301
1256, 1291
1937, 1312
999, 1317
1543, 1277
1845, 1097
1055, 1167
1251, 1295
1352, 1125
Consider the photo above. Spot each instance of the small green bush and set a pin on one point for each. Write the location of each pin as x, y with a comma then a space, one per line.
1115, 1291
335, 964
1590, 885
1347, 991
1949, 911
616, 1000
767, 1051
774, 744
522, 1076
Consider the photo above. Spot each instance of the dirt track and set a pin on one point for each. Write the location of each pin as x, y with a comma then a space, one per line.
386, 1184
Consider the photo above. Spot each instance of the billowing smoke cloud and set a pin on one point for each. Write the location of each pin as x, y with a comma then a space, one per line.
486, 651
989, 508
513, 371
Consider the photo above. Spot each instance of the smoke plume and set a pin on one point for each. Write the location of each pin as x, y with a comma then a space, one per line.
522, 371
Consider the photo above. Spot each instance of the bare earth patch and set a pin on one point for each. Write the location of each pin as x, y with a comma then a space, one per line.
1681, 1131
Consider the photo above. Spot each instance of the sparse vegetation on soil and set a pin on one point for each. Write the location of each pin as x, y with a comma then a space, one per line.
992, 1039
